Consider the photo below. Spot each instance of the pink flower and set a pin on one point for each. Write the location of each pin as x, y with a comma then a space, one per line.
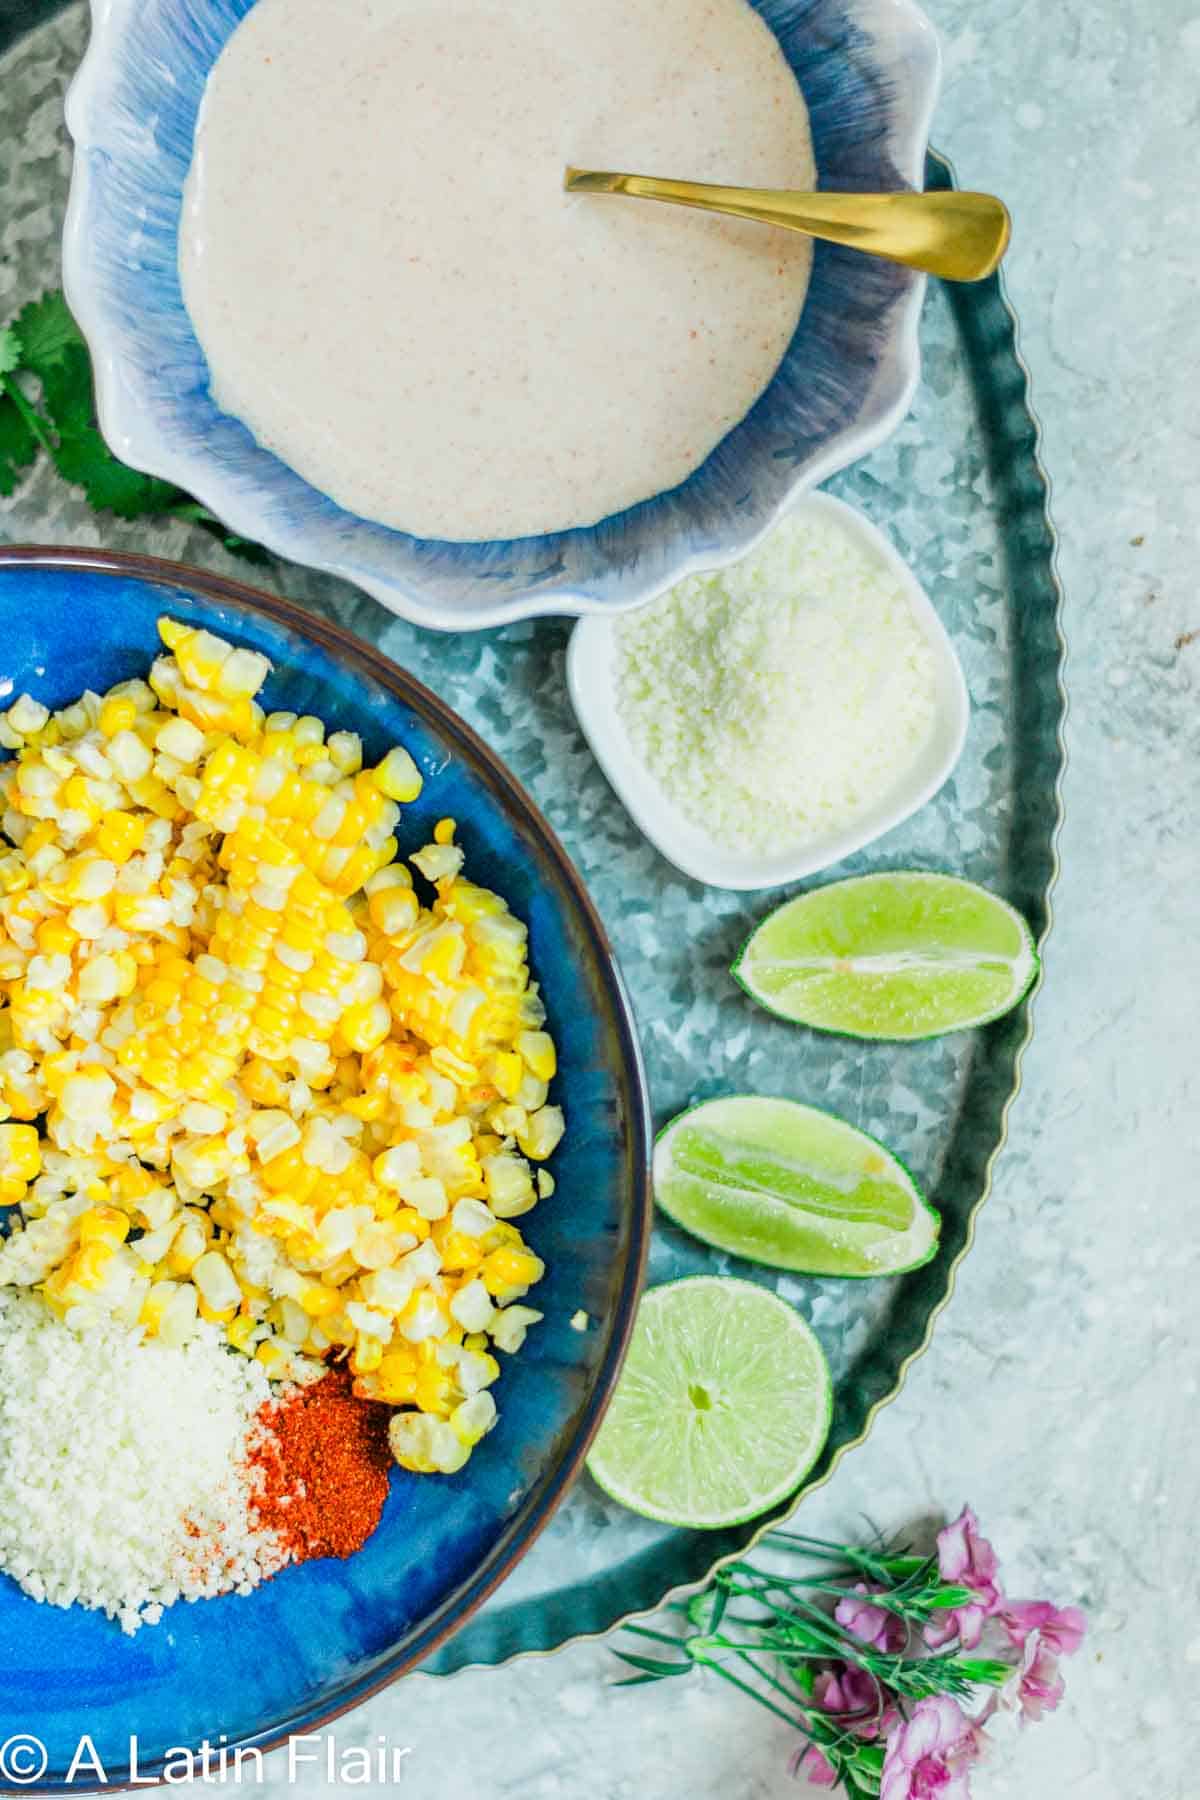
1043, 1633
966, 1560
1062, 1629
873, 1625
855, 1700
930, 1757
814, 1764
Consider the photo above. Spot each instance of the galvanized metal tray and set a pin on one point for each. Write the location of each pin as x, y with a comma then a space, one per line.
961, 490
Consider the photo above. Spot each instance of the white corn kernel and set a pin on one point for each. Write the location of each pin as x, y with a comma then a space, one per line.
472, 1307
28, 715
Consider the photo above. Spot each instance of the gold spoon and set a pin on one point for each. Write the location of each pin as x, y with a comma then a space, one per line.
960, 236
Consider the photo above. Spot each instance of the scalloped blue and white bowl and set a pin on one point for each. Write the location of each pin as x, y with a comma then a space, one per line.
869, 73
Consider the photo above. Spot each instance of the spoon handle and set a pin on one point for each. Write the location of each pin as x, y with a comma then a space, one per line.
960, 236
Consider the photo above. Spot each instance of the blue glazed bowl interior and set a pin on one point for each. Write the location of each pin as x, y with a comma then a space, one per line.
319, 1637
867, 69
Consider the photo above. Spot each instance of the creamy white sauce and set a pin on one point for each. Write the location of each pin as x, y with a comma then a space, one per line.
395, 294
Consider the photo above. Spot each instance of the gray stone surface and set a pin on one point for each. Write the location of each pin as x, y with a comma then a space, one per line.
1059, 1390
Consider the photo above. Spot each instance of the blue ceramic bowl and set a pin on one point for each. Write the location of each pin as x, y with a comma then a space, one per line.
869, 73
319, 1638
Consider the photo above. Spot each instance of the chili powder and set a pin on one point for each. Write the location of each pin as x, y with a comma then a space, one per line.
320, 1467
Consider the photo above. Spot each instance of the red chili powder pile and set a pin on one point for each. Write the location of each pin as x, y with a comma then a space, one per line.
320, 1468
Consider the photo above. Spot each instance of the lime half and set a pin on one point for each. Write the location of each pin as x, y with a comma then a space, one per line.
722, 1407
904, 955
785, 1184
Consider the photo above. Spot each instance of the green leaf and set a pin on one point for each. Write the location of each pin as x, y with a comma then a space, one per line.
18, 445
44, 342
706, 1609
10, 351
83, 457
46, 333
869, 1756
984, 1670
67, 390
949, 1596
650, 1666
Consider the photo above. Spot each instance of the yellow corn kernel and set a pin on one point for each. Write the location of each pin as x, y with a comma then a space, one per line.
119, 836
365, 1027
118, 713
55, 937
78, 795
394, 910
367, 1107
509, 1268
458, 1250
153, 794
434, 1391
507, 1072
190, 1243
398, 776
443, 831
408, 1219
133, 1183
473, 1418
396, 1377
103, 1225
262, 1083
127, 972
213, 1315
366, 1356
241, 1331
89, 1267
20, 1153
273, 1357
320, 1301
39, 835
537, 1048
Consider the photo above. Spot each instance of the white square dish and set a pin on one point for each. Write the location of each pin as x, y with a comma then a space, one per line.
592, 680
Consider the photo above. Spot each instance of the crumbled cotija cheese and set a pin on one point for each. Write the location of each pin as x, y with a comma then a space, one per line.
776, 701
123, 1479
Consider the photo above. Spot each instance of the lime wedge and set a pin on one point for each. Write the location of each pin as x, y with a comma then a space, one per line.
785, 1184
905, 955
722, 1408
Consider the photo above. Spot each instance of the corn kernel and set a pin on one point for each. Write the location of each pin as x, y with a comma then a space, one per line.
103, 1225
507, 1268
119, 713
119, 836
398, 776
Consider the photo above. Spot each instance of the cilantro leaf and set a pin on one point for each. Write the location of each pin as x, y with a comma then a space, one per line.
18, 445
10, 351
82, 456
67, 390
46, 332
44, 342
